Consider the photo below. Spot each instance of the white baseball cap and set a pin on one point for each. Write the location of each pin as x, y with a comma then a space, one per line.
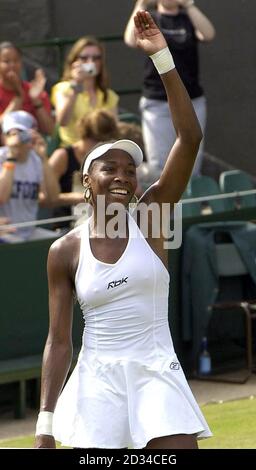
127, 145
18, 120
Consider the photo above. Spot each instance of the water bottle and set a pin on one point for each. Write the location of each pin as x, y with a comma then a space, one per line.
205, 365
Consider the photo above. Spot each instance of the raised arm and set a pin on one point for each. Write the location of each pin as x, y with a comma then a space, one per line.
50, 188
64, 105
40, 101
129, 34
65, 99
58, 349
179, 164
204, 28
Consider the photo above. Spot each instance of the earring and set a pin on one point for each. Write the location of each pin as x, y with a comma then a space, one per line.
133, 203
87, 194
134, 200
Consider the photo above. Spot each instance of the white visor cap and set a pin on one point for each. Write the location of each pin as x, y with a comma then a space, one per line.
127, 145
20, 120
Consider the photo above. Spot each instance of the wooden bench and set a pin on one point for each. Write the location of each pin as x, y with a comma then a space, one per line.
19, 371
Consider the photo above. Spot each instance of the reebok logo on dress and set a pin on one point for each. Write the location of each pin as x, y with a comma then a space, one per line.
113, 284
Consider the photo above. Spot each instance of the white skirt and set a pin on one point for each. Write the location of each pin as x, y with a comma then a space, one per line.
126, 404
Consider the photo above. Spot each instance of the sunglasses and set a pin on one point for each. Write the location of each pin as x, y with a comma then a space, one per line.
87, 57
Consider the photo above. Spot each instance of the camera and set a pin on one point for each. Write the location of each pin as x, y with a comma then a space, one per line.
89, 68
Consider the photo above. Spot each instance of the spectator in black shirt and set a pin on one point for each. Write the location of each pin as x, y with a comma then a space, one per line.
183, 25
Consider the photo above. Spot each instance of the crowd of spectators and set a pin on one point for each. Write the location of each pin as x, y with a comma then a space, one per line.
82, 110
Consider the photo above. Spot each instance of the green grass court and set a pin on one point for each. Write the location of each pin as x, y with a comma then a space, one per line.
232, 423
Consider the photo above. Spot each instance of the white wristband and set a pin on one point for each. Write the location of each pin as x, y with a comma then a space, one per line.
44, 423
163, 60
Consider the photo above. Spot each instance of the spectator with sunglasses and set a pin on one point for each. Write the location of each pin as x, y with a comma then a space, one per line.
83, 88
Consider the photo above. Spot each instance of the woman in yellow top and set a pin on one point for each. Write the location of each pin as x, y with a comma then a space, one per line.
83, 88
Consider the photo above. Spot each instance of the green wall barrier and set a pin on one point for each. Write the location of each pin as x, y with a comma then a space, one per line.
24, 313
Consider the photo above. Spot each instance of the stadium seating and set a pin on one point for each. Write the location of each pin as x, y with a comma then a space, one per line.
236, 180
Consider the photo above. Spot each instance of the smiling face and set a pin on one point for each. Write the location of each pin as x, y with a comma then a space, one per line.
114, 176
10, 62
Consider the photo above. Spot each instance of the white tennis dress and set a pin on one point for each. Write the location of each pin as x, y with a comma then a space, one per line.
128, 386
